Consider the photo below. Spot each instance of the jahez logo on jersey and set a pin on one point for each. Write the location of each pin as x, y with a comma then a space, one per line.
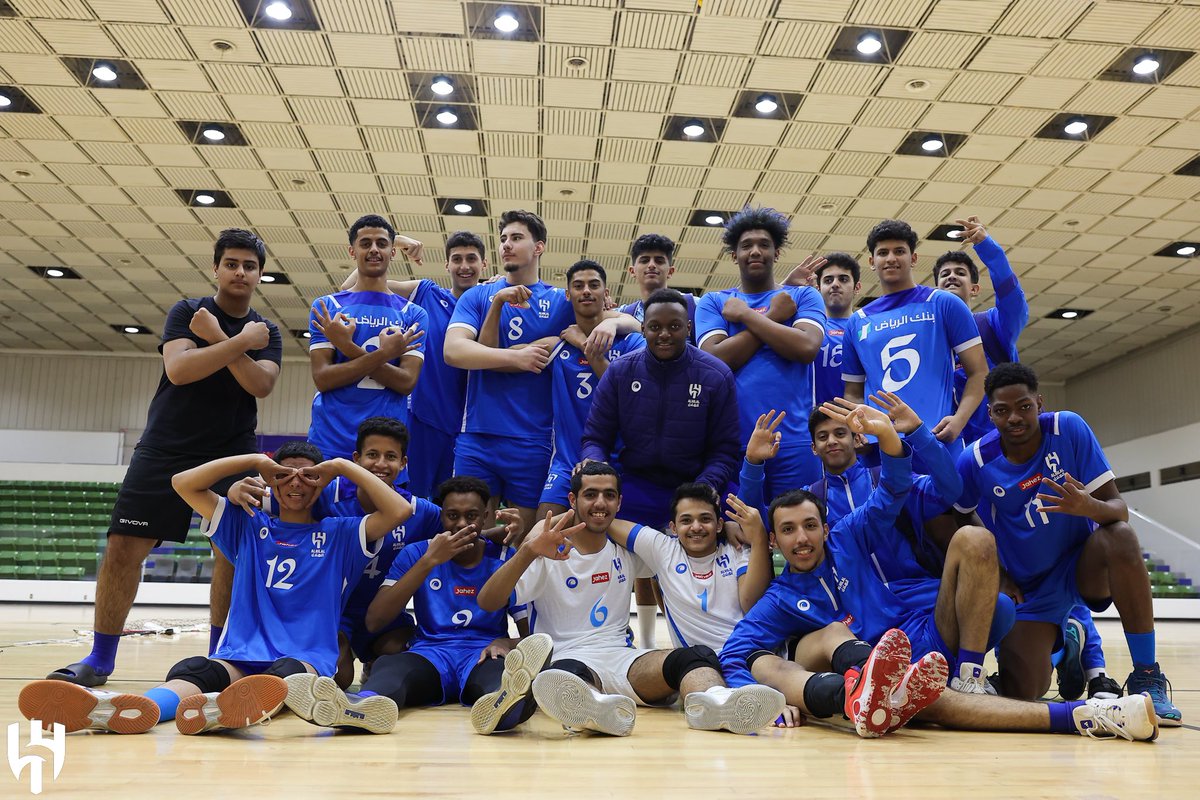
1029, 483
600, 577
702, 576
464, 591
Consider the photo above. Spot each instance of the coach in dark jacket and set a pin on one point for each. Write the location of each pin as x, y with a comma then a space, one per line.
674, 409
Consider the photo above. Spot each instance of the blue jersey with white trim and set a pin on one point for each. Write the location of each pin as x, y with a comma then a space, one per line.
1030, 541
446, 603
572, 390
337, 413
439, 397
289, 584
905, 343
513, 404
768, 380
827, 368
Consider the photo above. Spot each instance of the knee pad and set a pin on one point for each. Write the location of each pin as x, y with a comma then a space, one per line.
203, 673
284, 667
682, 660
576, 668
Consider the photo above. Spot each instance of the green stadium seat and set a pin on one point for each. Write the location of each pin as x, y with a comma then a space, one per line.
8, 572
26, 572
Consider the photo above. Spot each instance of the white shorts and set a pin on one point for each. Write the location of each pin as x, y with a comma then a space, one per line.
611, 665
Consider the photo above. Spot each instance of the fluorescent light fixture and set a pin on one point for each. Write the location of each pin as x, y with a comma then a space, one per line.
766, 104
505, 22
442, 85
447, 117
104, 71
278, 11
869, 44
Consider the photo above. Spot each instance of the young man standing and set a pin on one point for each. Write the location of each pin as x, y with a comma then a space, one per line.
905, 341
1041, 484
219, 357
576, 374
366, 349
652, 263
579, 595
839, 285
768, 335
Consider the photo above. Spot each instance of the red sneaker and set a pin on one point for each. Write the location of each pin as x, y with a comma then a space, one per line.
922, 684
869, 690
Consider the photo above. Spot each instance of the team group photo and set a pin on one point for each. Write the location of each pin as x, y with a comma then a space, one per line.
851, 408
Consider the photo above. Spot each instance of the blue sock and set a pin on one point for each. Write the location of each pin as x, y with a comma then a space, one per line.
214, 636
1061, 720
167, 702
364, 693
104, 652
1141, 648
967, 657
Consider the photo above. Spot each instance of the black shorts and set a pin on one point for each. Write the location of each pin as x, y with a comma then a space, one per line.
147, 506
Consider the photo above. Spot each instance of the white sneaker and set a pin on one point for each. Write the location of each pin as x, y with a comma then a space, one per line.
572, 701
245, 702
80, 709
972, 685
742, 710
1131, 718
521, 666
319, 700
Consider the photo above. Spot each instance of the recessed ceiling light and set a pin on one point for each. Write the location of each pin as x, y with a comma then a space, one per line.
278, 11
1146, 64
577, 62
954, 234
103, 71
917, 85
505, 22
1181, 249
54, 273
931, 144
213, 132
462, 208
441, 85
766, 104
447, 117
869, 44
693, 129
1076, 126
205, 199
130, 329
715, 219
301, 333
1069, 313
1186, 250
5, 100
268, 278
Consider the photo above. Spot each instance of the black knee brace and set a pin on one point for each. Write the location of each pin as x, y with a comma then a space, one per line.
682, 660
284, 667
576, 668
203, 673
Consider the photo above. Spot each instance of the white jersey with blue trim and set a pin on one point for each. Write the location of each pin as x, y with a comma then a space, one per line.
583, 602
700, 595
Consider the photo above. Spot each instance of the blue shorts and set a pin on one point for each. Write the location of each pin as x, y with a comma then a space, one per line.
793, 468
558, 485
430, 457
645, 503
362, 641
1053, 597
514, 469
924, 636
453, 664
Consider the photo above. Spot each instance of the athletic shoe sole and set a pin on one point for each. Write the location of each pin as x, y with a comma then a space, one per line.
921, 685
744, 710
245, 702
1072, 682
77, 709
573, 702
319, 700
868, 703
521, 666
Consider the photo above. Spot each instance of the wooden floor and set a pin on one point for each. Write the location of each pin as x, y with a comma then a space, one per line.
434, 753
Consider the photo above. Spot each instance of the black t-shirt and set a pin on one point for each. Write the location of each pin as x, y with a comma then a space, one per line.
213, 416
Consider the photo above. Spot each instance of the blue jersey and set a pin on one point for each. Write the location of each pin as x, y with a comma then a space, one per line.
440, 396
513, 404
288, 584
424, 524
768, 380
827, 368
337, 413
1031, 542
999, 327
638, 311
906, 343
574, 384
447, 610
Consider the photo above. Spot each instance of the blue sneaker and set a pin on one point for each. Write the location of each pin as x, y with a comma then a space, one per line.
1149, 679
1071, 677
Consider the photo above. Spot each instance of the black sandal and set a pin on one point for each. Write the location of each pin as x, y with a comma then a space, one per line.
80, 674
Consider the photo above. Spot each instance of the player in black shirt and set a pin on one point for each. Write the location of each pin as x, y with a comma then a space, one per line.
219, 356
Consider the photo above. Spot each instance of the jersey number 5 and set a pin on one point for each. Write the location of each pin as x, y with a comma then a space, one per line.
891, 355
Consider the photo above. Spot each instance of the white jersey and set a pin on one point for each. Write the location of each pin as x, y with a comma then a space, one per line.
700, 595
583, 602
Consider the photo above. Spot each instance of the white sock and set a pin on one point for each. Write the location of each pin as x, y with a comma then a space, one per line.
1094, 673
647, 617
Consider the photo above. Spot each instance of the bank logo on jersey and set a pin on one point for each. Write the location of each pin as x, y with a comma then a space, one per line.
263, 533
681, 568
572, 582
803, 604
435, 584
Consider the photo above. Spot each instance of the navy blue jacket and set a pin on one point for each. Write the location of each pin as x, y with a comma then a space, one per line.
677, 419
